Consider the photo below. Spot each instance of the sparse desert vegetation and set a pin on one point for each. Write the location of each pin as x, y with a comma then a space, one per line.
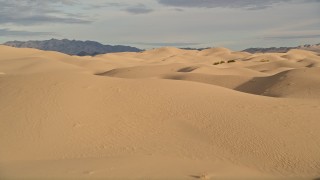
231, 61
220, 62
223, 62
264, 60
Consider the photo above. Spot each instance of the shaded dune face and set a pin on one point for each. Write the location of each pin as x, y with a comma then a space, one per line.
299, 83
188, 69
164, 114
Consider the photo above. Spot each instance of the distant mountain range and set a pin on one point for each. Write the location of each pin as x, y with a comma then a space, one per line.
314, 48
197, 49
92, 48
72, 47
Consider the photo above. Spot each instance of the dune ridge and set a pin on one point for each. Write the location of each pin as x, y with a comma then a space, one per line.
165, 113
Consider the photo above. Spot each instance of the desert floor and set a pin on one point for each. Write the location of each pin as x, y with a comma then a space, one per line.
161, 114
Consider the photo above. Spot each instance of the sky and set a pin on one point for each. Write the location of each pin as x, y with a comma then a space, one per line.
235, 24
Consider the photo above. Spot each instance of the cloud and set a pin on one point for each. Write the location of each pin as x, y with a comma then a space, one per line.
127, 6
29, 12
179, 9
244, 4
294, 37
94, 6
8, 32
38, 19
138, 9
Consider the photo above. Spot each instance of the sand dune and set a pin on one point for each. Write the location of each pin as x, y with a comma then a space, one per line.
161, 114
215, 51
146, 71
298, 83
228, 81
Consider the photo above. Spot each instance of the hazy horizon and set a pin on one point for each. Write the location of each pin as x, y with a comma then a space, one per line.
160, 45
154, 23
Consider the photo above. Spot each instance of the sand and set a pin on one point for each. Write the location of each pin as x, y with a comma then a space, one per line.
160, 114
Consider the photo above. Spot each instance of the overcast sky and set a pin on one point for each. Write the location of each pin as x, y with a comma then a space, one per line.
235, 24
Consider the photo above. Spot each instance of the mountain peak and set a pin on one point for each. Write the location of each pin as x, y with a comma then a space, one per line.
72, 47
